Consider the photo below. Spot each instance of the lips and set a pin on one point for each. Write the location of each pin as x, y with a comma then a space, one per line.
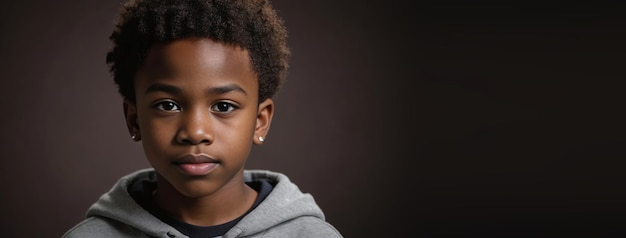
196, 164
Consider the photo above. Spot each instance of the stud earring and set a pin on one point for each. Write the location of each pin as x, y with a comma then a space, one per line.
261, 139
133, 137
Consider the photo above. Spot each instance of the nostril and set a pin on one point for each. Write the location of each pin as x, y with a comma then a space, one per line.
186, 141
192, 141
204, 141
195, 129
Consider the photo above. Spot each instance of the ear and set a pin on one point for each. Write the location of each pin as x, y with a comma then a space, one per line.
130, 113
263, 120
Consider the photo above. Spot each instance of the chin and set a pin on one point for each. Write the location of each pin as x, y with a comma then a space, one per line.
196, 189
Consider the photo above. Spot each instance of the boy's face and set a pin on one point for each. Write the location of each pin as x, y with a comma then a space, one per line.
197, 114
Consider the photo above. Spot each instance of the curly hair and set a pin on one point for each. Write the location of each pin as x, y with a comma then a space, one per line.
250, 24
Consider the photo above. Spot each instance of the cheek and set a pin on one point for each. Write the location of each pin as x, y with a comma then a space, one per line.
232, 133
247, 125
237, 132
157, 134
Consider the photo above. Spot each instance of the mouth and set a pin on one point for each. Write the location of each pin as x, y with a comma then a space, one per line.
196, 164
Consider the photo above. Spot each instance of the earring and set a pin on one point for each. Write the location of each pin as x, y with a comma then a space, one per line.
133, 137
261, 139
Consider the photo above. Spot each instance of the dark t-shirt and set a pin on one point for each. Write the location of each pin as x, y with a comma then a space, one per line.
141, 191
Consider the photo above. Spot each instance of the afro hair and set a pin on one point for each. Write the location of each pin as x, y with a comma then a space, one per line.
250, 24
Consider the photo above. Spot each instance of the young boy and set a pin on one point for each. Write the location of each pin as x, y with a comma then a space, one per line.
197, 78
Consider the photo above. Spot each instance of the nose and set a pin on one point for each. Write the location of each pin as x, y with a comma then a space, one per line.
195, 128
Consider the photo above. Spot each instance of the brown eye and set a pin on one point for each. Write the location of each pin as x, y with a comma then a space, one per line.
223, 107
167, 106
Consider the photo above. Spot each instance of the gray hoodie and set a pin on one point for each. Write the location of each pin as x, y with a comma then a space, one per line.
285, 212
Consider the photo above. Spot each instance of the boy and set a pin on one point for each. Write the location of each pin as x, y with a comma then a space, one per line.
197, 78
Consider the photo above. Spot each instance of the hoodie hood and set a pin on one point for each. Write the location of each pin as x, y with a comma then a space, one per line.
284, 203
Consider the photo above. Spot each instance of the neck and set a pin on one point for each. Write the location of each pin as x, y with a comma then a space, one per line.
224, 205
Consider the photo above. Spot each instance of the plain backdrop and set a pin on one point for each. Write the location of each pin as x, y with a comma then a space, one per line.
402, 118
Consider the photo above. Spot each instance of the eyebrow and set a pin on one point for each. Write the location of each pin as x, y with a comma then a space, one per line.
160, 87
226, 89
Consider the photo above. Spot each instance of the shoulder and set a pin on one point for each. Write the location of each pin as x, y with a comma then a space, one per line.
96, 227
304, 226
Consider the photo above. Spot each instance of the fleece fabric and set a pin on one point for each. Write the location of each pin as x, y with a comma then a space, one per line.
285, 212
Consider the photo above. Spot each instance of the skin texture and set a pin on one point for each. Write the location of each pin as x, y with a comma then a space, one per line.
199, 97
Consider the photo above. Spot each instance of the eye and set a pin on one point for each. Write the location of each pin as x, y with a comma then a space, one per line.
167, 106
223, 107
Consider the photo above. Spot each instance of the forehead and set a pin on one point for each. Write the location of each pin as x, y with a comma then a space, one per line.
197, 54
198, 62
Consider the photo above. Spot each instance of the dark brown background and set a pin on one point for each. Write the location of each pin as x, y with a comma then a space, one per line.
402, 120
